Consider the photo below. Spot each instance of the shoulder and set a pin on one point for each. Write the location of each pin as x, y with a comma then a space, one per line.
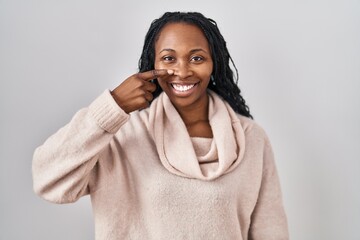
252, 129
250, 125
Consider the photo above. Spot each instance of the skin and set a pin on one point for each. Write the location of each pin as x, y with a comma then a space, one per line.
135, 92
183, 66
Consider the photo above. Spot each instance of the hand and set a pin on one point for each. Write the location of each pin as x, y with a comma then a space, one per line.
136, 91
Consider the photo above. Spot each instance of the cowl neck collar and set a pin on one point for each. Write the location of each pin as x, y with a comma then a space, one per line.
174, 144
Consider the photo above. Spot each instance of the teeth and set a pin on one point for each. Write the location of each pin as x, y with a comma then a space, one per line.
182, 88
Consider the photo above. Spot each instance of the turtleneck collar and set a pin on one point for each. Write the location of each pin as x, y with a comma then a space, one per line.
174, 144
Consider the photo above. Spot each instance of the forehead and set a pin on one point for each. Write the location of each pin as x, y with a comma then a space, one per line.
174, 35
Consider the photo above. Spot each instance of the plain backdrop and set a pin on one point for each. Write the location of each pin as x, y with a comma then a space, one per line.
299, 66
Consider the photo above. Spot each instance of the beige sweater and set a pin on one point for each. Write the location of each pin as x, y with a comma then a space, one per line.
149, 180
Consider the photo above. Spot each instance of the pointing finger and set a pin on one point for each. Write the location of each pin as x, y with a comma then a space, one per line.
153, 74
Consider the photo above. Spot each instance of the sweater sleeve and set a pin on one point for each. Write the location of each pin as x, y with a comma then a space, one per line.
61, 167
268, 221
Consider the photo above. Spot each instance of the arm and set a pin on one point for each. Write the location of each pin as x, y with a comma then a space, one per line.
62, 165
268, 221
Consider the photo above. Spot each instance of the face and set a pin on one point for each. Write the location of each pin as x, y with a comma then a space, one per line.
184, 49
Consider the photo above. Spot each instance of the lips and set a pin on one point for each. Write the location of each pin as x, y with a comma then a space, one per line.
183, 87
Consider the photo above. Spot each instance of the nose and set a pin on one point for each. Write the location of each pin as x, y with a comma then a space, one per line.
182, 70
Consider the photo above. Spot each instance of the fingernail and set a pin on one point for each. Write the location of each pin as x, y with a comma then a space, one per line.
170, 72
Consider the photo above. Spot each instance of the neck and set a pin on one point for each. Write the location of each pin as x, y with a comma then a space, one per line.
196, 119
195, 114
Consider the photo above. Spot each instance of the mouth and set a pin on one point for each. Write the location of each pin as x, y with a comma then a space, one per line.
183, 87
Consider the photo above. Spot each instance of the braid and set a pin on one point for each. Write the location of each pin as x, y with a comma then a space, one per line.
223, 81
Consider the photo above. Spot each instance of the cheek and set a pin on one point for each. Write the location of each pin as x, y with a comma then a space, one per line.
158, 64
161, 66
207, 71
162, 83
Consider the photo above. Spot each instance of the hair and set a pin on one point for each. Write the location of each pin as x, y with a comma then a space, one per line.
222, 81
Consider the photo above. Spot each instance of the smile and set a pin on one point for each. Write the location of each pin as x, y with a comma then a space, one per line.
182, 87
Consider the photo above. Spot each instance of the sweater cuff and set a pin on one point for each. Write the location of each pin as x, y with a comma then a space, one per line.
107, 113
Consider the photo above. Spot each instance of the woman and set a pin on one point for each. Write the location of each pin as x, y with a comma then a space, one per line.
172, 152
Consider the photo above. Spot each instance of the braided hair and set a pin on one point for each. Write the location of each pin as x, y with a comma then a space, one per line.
222, 79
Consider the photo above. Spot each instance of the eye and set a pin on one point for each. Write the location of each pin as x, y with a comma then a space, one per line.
168, 58
197, 59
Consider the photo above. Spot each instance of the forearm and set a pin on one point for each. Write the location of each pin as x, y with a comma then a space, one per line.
62, 165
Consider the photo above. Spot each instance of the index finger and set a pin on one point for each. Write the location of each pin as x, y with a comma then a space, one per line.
155, 73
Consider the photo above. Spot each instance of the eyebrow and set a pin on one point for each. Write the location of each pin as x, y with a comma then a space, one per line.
191, 51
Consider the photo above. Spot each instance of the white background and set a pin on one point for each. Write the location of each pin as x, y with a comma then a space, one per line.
299, 64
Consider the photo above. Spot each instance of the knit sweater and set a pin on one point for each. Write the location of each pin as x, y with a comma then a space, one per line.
148, 179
